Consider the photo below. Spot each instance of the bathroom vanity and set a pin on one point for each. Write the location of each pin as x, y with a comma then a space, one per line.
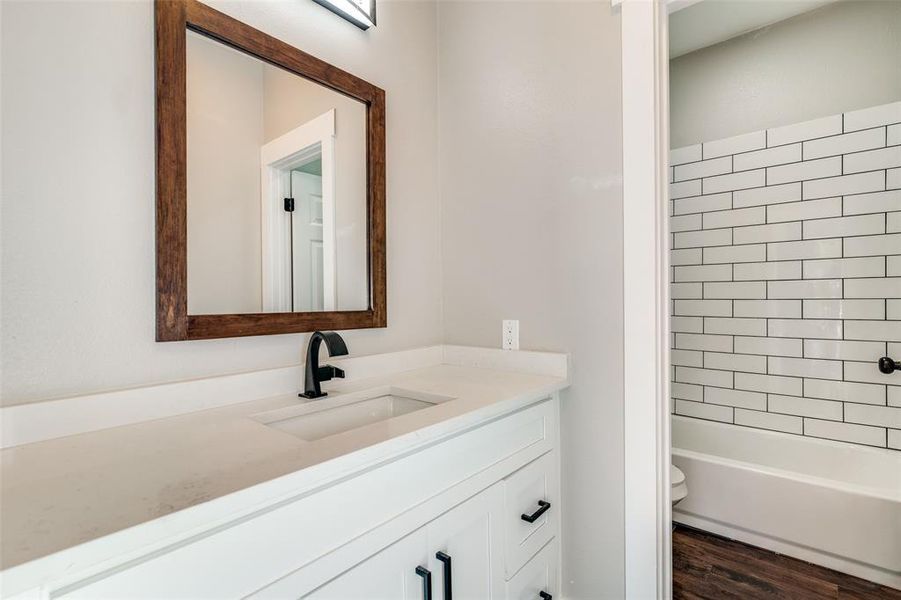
416, 484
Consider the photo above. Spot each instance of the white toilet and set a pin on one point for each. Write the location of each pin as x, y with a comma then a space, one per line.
677, 482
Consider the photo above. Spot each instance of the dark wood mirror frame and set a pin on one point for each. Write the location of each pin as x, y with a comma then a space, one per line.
173, 19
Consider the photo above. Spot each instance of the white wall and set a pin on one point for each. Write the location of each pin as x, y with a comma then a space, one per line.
78, 192
531, 195
842, 57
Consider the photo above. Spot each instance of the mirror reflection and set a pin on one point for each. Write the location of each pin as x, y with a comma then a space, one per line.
277, 206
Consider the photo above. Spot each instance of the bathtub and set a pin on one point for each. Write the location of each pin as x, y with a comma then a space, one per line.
833, 504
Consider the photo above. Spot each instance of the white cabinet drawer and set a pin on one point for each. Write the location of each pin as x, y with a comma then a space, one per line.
530, 492
239, 558
537, 577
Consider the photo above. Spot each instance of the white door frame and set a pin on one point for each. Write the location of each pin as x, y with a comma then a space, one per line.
276, 158
648, 535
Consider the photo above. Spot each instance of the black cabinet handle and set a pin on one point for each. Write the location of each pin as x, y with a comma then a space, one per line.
545, 596
888, 366
448, 579
543, 506
426, 582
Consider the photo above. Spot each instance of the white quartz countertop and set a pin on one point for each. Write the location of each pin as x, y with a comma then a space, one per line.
59, 493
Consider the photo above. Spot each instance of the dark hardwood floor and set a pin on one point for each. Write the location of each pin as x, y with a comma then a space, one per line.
706, 566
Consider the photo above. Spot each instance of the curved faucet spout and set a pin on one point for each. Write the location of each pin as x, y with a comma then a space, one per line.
313, 373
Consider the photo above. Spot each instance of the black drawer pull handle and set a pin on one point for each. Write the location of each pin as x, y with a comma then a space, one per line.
543, 506
426, 582
448, 578
887, 365
545, 596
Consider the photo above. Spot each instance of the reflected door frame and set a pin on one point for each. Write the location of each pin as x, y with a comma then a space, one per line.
277, 159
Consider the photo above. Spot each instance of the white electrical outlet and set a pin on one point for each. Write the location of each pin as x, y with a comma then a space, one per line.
510, 335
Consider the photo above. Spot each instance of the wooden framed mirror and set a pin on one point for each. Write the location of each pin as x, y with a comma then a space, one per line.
270, 200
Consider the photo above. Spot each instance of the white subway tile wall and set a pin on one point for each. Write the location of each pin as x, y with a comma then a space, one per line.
787, 278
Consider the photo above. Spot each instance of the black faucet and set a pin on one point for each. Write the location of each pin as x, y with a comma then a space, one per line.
315, 374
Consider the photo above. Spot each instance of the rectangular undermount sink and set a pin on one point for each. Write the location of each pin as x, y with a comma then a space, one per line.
317, 419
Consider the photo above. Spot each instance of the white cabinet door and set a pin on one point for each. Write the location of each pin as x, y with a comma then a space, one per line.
309, 279
388, 575
470, 538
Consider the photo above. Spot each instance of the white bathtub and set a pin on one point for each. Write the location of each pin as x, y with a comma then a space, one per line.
833, 504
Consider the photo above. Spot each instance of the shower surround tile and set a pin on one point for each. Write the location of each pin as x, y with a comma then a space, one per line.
806, 288
735, 326
844, 268
703, 308
733, 218
768, 346
687, 391
776, 194
699, 410
715, 343
700, 204
803, 171
790, 309
845, 392
884, 114
685, 154
787, 278
873, 245
894, 135
846, 432
810, 249
798, 211
735, 362
805, 407
844, 309
845, 143
700, 239
768, 420
767, 271
735, 145
877, 202
765, 158
736, 398
843, 350
807, 130
703, 168
859, 183
884, 158
734, 181
844, 226
735, 254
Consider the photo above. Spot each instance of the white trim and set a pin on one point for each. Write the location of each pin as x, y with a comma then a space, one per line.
329, 224
275, 157
35, 422
645, 265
